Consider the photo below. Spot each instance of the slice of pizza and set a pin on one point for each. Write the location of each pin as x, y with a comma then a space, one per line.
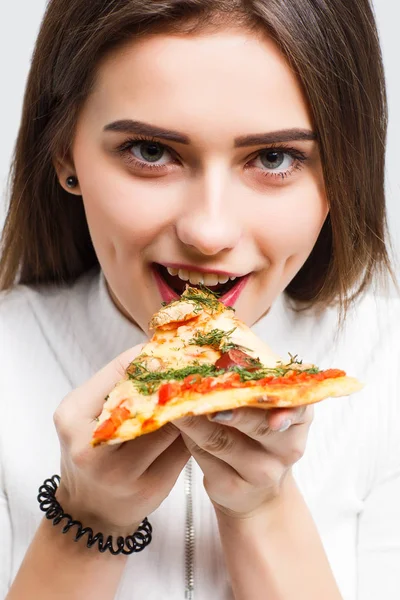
202, 359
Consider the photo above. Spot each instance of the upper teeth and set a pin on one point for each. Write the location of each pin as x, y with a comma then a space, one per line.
194, 277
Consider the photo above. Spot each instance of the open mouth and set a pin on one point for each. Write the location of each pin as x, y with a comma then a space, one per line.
172, 285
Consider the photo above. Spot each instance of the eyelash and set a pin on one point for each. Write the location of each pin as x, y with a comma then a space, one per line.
299, 157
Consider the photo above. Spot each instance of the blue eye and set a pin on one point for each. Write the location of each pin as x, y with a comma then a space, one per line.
149, 151
151, 156
279, 162
273, 160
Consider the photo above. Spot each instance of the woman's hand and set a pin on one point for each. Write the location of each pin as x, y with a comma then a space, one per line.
112, 488
246, 459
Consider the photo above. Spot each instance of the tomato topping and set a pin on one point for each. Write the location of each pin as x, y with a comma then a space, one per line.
148, 424
203, 386
234, 380
170, 326
185, 320
264, 381
119, 415
300, 376
332, 373
237, 358
167, 392
189, 381
104, 431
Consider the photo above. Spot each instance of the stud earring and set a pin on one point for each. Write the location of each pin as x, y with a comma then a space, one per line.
72, 181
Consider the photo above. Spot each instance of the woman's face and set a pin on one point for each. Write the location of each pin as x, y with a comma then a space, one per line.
197, 154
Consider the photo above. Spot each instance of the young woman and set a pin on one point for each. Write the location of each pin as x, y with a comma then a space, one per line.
238, 143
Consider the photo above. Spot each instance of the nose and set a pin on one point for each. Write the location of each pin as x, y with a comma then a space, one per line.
209, 222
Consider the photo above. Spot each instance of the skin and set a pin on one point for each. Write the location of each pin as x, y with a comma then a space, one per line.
210, 205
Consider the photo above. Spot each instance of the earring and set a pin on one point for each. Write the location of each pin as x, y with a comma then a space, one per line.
72, 181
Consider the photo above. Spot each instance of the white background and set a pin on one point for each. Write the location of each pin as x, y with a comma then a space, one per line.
19, 23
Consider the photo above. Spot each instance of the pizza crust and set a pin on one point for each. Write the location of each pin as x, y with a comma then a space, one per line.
264, 397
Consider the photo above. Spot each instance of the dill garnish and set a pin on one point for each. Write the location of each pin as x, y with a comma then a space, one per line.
266, 372
147, 382
232, 346
294, 360
212, 338
202, 298
208, 291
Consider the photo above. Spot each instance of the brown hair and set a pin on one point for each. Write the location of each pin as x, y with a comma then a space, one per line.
333, 47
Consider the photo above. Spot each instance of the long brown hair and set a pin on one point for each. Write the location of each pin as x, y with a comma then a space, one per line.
333, 47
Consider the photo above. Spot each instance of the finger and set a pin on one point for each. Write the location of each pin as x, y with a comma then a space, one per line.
214, 468
117, 475
226, 487
278, 417
258, 423
248, 458
138, 455
286, 438
168, 465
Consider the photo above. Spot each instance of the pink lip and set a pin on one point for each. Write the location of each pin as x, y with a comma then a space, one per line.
231, 297
199, 269
168, 294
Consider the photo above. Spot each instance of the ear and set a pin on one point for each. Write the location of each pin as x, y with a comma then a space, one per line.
64, 169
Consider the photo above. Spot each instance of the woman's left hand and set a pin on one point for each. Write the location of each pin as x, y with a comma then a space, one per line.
245, 459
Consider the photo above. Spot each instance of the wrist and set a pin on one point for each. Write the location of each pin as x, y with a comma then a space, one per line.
50, 504
82, 512
267, 512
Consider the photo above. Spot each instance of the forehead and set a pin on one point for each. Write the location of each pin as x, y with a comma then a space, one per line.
230, 82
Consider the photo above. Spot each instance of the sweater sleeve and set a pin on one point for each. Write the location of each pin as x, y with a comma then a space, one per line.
378, 544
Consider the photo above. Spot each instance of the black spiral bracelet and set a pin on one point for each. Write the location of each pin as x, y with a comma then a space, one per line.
128, 545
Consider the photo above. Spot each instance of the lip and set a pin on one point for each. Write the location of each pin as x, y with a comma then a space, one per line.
231, 297
200, 269
168, 294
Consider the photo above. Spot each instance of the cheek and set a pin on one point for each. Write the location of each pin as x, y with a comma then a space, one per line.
119, 207
292, 220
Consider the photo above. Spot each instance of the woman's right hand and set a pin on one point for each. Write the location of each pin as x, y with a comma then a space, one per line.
112, 488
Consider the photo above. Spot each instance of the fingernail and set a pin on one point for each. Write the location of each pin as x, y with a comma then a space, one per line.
225, 415
285, 425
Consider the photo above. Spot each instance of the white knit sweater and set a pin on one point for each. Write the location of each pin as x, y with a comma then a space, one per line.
53, 339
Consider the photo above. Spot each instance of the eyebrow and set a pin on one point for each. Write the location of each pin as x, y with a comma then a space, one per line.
272, 137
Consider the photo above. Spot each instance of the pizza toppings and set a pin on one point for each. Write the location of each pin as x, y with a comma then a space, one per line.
173, 315
106, 430
167, 392
196, 384
148, 382
213, 338
199, 350
237, 358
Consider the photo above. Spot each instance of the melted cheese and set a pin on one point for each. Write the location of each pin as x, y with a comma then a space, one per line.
174, 313
243, 336
171, 349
